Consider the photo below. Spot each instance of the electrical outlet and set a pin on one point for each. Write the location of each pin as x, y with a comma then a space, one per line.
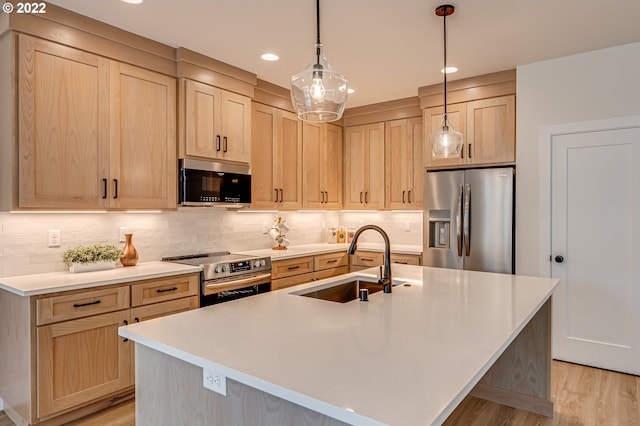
214, 381
265, 228
123, 230
407, 226
54, 238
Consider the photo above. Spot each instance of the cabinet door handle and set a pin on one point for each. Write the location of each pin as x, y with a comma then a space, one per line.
281, 195
366, 197
136, 319
115, 193
276, 190
104, 189
409, 196
326, 197
224, 144
403, 196
360, 197
469, 151
79, 305
125, 323
217, 142
164, 290
291, 268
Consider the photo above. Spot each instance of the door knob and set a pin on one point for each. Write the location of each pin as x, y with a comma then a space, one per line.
559, 259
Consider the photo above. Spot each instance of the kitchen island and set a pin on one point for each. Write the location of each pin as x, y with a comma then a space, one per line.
405, 358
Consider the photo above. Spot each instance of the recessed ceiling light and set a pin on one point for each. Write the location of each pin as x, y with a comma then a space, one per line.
449, 70
133, 1
350, 90
270, 57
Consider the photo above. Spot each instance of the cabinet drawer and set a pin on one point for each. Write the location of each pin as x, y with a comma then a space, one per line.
291, 281
330, 260
163, 289
143, 313
290, 267
405, 259
83, 304
326, 273
367, 258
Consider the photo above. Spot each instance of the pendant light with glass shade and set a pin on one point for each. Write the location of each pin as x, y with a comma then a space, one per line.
318, 93
446, 141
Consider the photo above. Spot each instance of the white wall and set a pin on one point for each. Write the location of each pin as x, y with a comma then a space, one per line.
590, 86
23, 236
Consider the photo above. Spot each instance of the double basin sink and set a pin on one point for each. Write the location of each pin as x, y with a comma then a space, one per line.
343, 289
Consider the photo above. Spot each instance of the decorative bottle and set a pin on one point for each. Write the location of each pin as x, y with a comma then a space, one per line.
129, 254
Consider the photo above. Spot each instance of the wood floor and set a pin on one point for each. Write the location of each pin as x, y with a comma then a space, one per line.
581, 396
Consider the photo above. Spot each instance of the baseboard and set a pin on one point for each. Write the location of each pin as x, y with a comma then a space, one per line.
513, 399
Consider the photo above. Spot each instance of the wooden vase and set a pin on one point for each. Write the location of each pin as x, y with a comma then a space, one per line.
129, 254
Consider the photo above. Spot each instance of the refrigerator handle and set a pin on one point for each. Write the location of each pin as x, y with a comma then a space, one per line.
467, 231
459, 221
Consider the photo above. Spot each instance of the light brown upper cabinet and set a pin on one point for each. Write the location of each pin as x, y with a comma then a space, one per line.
364, 166
93, 133
217, 123
276, 158
488, 128
322, 166
404, 167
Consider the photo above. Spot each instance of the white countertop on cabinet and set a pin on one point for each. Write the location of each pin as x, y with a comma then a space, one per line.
322, 248
404, 358
31, 285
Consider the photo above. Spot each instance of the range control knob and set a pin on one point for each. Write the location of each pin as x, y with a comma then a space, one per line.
225, 268
218, 269
262, 263
256, 264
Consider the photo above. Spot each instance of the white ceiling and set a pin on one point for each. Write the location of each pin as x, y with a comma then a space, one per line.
385, 48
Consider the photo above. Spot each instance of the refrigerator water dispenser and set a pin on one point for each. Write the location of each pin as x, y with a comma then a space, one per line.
439, 228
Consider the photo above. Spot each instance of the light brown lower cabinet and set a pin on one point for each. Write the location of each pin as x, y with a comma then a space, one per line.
71, 360
300, 270
363, 259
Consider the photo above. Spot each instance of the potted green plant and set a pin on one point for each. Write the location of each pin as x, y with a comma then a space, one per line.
91, 258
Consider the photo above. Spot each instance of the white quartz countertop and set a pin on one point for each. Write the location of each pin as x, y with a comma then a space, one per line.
31, 285
405, 358
321, 248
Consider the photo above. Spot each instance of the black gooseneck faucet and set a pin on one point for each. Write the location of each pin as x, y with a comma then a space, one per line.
385, 280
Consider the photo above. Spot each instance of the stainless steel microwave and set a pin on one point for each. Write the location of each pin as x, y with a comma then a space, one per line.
209, 183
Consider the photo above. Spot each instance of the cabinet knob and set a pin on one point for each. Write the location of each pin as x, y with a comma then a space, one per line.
559, 259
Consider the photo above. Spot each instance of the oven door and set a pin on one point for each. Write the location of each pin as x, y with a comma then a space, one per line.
222, 291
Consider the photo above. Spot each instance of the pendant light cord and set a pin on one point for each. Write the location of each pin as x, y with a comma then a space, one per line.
444, 25
318, 32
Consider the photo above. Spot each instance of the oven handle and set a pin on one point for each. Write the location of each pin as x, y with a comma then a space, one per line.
236, 284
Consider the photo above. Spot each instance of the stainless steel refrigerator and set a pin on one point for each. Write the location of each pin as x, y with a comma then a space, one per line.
469, 219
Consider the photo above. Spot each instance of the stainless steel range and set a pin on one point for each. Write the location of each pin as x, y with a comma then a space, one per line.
227, 276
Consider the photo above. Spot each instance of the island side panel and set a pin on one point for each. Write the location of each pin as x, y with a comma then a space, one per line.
16, 360
521, 377
170, 391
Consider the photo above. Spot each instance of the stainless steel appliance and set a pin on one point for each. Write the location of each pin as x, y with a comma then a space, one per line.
208, 183
227, 276
469, 219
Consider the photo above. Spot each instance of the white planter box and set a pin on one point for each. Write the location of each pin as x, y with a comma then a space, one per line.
87, 267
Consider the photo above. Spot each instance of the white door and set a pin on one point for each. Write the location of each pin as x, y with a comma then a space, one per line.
595, 246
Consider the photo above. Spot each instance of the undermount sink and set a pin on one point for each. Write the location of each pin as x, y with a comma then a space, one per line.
341, 292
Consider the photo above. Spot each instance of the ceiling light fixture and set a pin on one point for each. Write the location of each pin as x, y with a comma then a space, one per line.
449, 70
446, 141
133, 1
270, 57
318, 93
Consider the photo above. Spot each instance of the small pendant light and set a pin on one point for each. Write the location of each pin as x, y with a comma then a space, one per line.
318, 93
446, 141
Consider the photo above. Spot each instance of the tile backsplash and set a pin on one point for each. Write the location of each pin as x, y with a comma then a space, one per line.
23, 236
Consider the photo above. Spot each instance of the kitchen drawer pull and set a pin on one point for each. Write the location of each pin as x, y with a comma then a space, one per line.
104, 189
79, 305
367, 259
332, 261
136, 319
164, 290
224, 144
400, 262
115, 195
291, 268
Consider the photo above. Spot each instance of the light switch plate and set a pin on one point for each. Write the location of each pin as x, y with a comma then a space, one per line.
123, 230
54, 238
